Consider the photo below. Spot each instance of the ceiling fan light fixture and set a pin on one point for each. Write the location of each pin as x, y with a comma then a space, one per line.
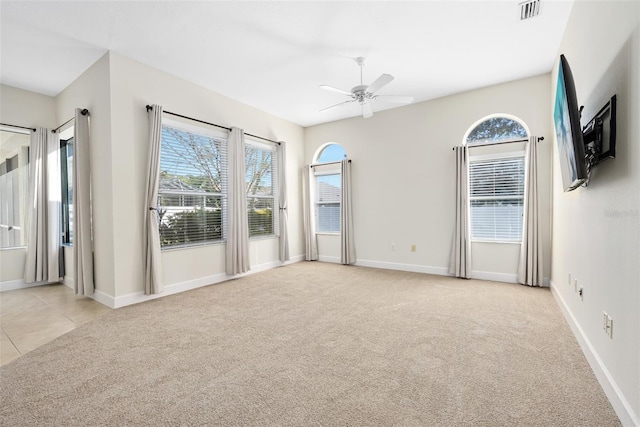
365, 94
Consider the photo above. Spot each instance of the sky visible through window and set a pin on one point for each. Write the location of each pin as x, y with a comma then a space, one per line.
332, 153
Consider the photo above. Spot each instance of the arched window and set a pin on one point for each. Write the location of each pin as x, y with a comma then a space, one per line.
497, 128
328, 187
496, 179
331, 152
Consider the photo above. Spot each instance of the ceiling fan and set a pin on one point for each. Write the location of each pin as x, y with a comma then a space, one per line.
365, 95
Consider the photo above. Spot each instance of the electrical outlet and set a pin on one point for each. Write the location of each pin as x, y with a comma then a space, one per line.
413, 248
393, 246
607, 324
581, 292
575, 285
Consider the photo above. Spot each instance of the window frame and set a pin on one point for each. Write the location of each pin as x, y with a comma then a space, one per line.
496, 157
223, 138
495, 150
7, 166
325, 168
67, 202
274, 197
320, 171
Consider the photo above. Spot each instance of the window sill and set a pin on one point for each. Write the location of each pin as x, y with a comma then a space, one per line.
263, 237
497, 241
192, 246
328, 234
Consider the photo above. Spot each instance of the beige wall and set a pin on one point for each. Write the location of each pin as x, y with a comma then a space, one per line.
22, 108
596, 230
92, 91
403, 177
133, 86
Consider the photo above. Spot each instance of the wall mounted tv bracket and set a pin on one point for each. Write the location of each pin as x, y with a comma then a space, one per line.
599, 135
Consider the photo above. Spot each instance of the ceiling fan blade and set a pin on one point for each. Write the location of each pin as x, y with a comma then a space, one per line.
380, 82
395, 99
335, 89
366, 110
337, 105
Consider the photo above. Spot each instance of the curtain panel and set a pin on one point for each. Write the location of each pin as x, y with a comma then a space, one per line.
152, 255
530, 268
82, 222
45, 198
309, 219
237, 250
347, 241
283, 218
460, 258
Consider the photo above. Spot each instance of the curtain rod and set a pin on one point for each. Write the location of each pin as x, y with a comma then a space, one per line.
16, 126
328, 163
541, 138
149, 107
84, 113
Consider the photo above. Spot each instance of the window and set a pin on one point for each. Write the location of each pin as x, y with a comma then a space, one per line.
261, 168
328, 188
496, 181
66, 169
328, 203
192, 192
496, 198
496, 129
14, 189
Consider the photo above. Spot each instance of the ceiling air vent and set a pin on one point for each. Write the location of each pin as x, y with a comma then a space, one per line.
529, 9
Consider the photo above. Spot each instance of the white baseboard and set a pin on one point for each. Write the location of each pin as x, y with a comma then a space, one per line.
495, 277
138, 297
12, 285
403, 267
616, 397
332, 259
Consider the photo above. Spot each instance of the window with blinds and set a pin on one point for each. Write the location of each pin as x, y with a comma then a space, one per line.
261, 167
193, 181
328, 203
496, 198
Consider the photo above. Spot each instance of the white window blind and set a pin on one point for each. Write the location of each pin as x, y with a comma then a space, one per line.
496, 196
193, 182
328, 203
261, 167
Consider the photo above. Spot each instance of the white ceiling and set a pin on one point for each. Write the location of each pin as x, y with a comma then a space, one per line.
273, 55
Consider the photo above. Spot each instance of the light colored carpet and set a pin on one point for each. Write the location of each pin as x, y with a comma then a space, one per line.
316, 344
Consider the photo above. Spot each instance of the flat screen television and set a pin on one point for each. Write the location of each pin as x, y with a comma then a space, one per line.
566, 117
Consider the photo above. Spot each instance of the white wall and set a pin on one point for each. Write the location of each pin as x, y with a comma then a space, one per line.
596, 230
403, 177
21, 108
92, 91
133, 86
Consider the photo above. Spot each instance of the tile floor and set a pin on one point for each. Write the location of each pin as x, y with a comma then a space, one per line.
34, 316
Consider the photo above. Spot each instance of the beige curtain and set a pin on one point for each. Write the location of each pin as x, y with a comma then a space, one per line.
347, 241
282, 200
43, 236
308, 201
530, 271
237, 252
151, 235
460, 258
83, 233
